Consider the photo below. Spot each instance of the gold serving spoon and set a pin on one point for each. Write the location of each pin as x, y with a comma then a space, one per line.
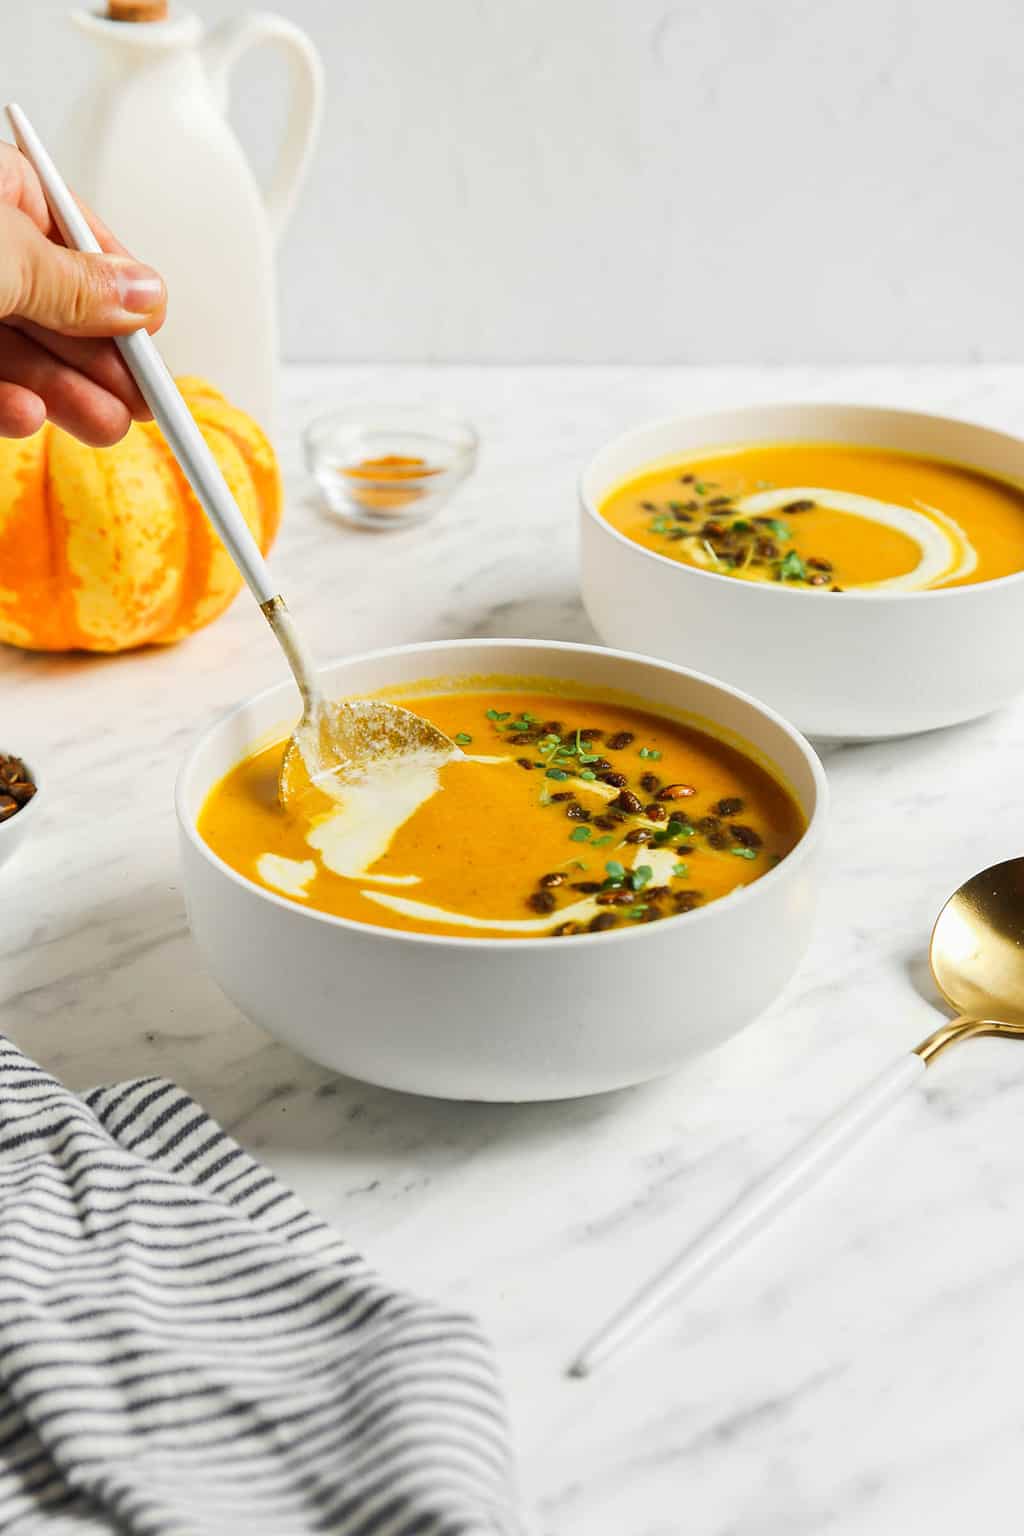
977, 960
332, 740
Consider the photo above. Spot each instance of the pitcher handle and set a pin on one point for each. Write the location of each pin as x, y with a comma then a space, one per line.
223, 48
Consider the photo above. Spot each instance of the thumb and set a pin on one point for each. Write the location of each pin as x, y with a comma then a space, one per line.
76, 293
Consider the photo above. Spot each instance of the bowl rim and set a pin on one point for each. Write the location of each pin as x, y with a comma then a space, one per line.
755, 891
27, 807
362, 412
778, 590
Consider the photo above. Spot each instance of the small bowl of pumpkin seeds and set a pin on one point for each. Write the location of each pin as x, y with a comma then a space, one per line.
18, 797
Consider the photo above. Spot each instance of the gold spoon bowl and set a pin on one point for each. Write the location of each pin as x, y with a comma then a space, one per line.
977, 958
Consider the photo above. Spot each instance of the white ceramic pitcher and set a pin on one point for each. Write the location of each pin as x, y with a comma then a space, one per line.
151, 148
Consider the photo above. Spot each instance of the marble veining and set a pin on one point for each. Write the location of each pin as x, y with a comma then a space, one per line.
857, 1373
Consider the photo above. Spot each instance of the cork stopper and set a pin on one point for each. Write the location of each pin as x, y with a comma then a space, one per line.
137, 10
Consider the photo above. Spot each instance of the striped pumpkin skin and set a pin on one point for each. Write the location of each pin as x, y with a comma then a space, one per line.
106, 549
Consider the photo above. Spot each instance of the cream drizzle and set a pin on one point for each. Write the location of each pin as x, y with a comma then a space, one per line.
289, 876
577, 911
358, 830
367, 815
946, 552
660, 861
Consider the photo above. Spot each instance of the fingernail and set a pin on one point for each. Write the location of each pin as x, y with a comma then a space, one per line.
139, 289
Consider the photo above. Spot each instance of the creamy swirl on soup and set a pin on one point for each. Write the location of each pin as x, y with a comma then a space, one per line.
562, 815
824, 516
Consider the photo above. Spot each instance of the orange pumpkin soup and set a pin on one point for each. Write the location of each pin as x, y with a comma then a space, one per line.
829, 516
565, 815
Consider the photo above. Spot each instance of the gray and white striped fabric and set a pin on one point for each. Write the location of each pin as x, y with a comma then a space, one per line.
186, 1351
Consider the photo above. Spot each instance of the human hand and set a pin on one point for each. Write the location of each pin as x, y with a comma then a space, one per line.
58, 309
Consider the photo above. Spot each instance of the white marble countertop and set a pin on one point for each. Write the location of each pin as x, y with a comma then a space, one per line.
857, 1373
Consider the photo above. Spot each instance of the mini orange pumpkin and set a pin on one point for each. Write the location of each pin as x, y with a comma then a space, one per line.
103, 549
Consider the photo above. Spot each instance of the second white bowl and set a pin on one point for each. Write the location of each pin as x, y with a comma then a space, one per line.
850, 667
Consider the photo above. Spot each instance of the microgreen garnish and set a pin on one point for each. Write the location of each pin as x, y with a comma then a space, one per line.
494, 714
579, 835
650, 753
641, 876
615, 869
635, 912
581, 750
556, 773
736, 543
744, 853
682, 870
462, 738
588, 774
549, 746
599, 842
520, 725
792, 568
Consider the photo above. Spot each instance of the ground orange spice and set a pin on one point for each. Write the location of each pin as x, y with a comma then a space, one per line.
390, 467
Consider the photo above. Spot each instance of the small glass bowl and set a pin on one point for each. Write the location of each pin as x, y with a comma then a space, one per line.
388, 466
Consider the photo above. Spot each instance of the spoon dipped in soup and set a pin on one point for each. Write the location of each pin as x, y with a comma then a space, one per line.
331, 739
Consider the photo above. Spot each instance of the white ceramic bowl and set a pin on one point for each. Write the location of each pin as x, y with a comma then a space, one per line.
853, 666
16, 828
504, 1019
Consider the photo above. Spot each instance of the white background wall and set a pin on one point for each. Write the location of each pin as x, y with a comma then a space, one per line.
639, 180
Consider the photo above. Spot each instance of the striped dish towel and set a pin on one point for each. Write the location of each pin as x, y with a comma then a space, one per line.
186, 1351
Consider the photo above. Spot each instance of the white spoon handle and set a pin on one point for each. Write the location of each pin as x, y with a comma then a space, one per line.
797, 1173
157, 387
